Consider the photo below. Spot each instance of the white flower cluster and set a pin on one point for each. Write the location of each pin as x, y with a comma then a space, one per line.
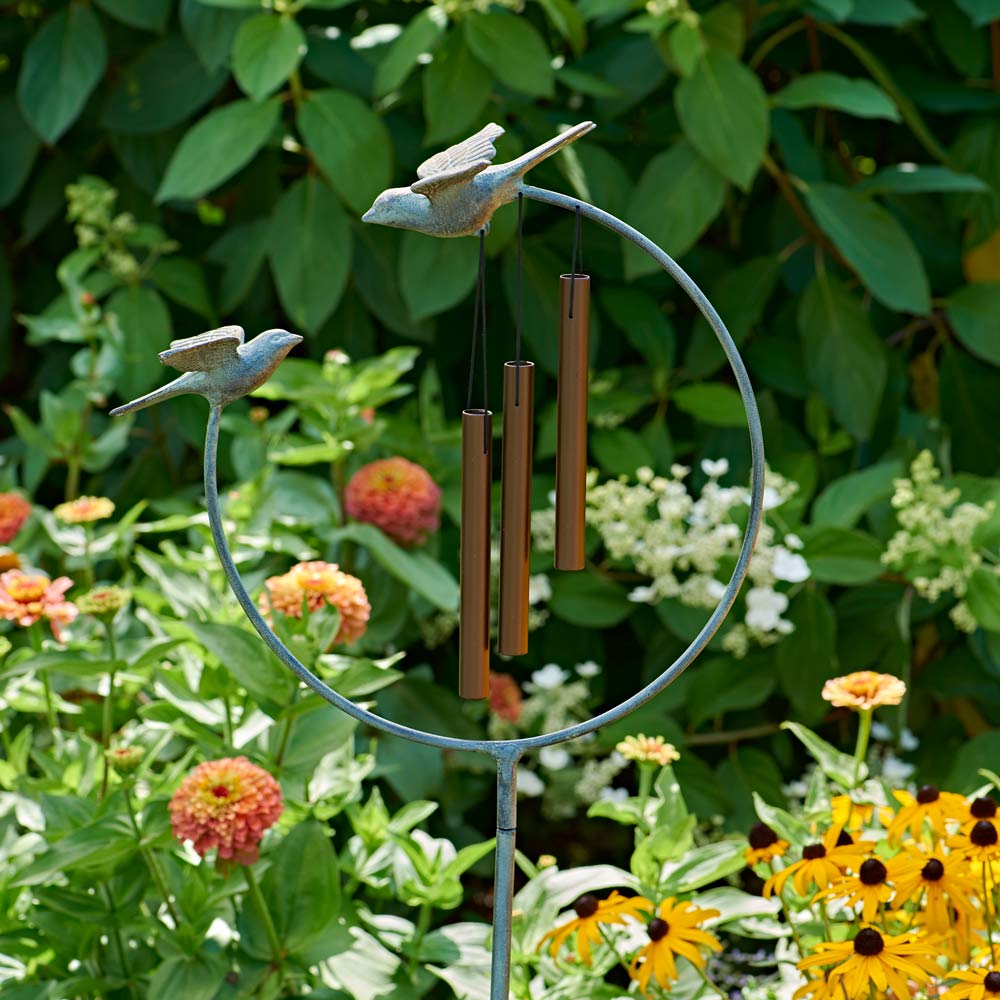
934, 545
684, 543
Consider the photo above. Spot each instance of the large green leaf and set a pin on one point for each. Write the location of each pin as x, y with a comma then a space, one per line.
909, 178
182, 977
974, 313
162, 87
210, 31
144, 321
267, 50
435, 274
350, 143
981, 12
845, 501
723, 110
712, 403
589, 600
844, 358
62, 65
675, 201
843, 556
861, 98
150, 15
418, 38
983, 598
456, 86
970, 406
219, 145
511, 47
310, 251
807, 657
874, 244
17, 151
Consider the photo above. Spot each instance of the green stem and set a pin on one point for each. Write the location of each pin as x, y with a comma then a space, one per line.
646, 774
116, 936
423, 925
35, 636
150, 859
903, 624
286, 730
88, 558
265, 916
708, 982
611, 944
227, 705
791, 924
106, 708
772, 41
861, 747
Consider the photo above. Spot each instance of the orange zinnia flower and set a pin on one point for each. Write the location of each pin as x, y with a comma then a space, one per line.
505, 697
26, 598
226, 805
82, 510
14, 511
397, 496
864, 690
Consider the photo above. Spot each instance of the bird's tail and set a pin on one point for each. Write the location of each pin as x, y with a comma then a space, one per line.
525, 162
167, 391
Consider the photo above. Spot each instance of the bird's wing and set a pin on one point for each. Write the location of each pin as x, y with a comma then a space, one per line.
472, 150
435, 184
206, 352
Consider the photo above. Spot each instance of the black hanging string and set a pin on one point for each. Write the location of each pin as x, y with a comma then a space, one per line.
577, 251
517, 329
479, 310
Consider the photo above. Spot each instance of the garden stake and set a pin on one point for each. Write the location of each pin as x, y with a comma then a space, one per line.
507, 753
515, 505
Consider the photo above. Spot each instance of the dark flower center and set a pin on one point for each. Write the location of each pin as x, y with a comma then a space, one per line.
657, 929
761, 836
813, 851
992, 982
844, 838
983, 808
983, 834
932, 871
928, 793
586, 906
868, 942
872, 872
220, 792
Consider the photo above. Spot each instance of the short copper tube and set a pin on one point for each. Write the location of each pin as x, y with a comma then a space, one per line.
515, 506
474, 584
571, 443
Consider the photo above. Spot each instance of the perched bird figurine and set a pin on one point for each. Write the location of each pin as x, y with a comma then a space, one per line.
218, 365
457, 191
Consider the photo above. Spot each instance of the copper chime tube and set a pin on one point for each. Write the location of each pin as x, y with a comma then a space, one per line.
515, 506
474, 586
571, 445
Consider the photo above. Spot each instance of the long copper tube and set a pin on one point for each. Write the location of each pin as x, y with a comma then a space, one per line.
571, 445
515, 506
474, 586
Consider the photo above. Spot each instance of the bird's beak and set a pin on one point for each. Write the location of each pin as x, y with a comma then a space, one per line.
369, 216
294, 338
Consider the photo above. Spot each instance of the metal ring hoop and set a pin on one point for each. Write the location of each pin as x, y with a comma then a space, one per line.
510, 751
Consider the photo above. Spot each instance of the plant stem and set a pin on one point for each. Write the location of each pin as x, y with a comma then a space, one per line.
88, 558
265, 916
106, 708
646, 773
772, 41
150, 859
903, 624
708, 982
116, 936
861, 747
35, 636
423, 924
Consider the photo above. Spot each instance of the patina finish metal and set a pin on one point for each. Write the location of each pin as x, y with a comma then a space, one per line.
515, 506
507, 753
474, 579
571, 441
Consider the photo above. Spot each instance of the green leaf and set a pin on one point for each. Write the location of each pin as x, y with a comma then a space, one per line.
183, 977
722, 685
843, 556
567, 20
846, 500
874, 244
909, 178
974, 313
241, 251
434, 274
835, 765
712, 403
675, 201
456, 88
705, 865
210, 31
183, 281
589, 600
219, 145
511, 47
620, 451
980, 12
416, 569
807, 657
151, 15
970, 406
418, 38
887, 13
351, 145
162, 87
861, 98
62, 65
144, 321
267, 50
17, 151
723, 111
844, 357
983, 598
108, 841
784, 824
310, 252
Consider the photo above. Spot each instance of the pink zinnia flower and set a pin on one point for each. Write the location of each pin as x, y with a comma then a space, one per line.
226, 805
26, 598
14, 511
320, 583
397, 496
505, 697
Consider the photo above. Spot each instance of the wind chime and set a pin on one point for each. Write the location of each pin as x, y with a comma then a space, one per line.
516, 463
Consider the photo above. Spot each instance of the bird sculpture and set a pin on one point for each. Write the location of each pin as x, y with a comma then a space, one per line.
457, 191
218, 365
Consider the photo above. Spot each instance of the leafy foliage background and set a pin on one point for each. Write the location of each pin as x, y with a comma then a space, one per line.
826, 170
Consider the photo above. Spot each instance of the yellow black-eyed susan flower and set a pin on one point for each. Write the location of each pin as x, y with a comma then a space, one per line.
974, 984
591, 913
821, 863
934, 881
876, 960
983, 807
854, 816
673, 931
867, 888
765, 845
981, 843
929, 805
